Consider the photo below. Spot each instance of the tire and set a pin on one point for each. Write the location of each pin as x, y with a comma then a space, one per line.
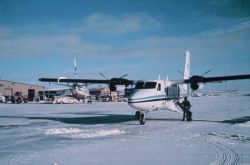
137, 115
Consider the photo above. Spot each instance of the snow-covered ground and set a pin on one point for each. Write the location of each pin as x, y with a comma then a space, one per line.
106, 133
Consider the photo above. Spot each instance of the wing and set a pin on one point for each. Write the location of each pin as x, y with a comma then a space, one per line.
200, 79
112, 82
195, 80
66, 80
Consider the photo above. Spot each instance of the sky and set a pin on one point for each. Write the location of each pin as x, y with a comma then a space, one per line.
141, 38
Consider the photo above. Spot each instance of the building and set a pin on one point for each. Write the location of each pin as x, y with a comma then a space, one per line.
10, 88
99, 92
104, 94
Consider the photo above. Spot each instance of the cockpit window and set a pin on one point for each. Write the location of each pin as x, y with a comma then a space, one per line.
145, 85
139, 85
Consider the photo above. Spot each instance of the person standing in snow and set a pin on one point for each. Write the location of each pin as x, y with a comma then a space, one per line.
185, 106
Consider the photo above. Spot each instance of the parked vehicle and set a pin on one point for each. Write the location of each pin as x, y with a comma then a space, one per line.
19, 99
2, 99
65, 100
105, 98
88, 100
8, 99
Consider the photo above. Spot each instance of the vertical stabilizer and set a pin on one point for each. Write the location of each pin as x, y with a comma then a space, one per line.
187, 65
75, 67
186, 72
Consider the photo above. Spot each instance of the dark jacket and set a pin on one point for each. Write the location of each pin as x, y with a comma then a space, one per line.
185, 105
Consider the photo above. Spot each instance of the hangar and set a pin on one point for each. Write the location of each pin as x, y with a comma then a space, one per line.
11, 88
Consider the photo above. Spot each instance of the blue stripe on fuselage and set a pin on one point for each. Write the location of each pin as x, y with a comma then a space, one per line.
150, 99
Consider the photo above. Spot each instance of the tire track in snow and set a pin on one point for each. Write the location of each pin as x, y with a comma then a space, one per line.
224, 155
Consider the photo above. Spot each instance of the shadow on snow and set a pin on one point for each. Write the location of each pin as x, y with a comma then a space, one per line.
237, 120
107, 119
116, 118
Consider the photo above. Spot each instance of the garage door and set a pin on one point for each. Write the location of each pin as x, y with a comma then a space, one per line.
8, 92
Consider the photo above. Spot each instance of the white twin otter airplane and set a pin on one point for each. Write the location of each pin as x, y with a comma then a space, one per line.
152, 95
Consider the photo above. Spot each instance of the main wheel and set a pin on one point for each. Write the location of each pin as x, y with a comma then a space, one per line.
137, 115
142, 119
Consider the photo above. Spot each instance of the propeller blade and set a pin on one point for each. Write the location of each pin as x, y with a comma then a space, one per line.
124, 76
206, 72
180, 72
103, 76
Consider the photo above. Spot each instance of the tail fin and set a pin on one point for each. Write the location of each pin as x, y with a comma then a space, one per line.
186, 72
75, 67
187, 65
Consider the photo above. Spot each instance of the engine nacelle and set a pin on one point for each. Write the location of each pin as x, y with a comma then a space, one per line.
195, 80
112, 87
194, 86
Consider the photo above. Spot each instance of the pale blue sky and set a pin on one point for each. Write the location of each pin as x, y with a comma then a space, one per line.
142, 38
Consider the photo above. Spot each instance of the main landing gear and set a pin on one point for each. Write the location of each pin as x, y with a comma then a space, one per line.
140, 116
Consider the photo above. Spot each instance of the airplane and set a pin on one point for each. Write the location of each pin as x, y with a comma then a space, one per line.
153, 95
78, 91
112, 83
77, 88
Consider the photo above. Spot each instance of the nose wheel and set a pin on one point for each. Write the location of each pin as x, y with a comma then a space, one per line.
140, 117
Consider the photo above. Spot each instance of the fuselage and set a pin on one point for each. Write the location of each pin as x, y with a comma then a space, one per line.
151, 95
80, 92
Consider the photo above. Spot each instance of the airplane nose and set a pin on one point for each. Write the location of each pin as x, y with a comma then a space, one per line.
132, 97
133, 101
130, 100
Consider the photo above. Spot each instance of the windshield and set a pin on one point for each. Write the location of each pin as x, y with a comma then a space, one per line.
145, 85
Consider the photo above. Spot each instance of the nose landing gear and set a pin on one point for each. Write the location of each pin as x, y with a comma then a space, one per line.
140, 116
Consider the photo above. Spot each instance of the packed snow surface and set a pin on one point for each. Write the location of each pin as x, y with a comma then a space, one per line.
107, 133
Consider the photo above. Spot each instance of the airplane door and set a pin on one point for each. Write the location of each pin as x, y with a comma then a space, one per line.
173, 92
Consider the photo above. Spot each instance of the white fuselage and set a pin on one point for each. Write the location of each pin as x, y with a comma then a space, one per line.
153, 95
80, 93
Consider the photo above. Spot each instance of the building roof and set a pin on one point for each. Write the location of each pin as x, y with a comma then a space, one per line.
22, 83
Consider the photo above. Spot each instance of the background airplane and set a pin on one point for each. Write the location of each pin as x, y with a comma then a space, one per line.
78, 91
79, 86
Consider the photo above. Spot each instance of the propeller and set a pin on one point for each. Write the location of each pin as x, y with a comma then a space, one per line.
124, 76
103, 76
195, 79
206, 72
116, 81
198, 75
